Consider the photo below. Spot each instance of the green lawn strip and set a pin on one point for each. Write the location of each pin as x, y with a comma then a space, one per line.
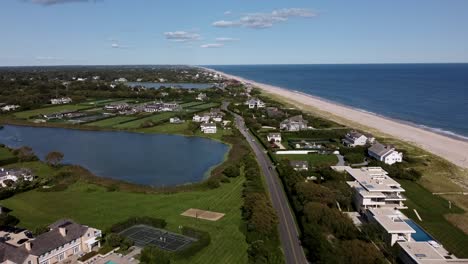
432, 209
5, 154
94, 206
191, 104
49, 110
205, 106
155, 118
167, 128
315, 160
109, 122
99, 102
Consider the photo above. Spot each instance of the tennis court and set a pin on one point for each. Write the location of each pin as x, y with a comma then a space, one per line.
143, 235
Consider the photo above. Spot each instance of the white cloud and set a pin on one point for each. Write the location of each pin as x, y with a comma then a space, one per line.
48, 58
225, 39
212, 45
53, 2
266, 20
227, 13
182, 36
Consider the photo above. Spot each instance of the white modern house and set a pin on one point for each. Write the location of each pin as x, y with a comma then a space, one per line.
295, 123
255, 103
373, 188
385, 153
8, 108
299, 165
426, 252
394, 224
201, 118
208, 128
354, 138
65, 241
276, 137
63, 100
201, 97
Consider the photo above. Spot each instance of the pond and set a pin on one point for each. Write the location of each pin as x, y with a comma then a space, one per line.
167, 85
149, 159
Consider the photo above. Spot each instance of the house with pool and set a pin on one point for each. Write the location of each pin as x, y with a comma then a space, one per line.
65, 240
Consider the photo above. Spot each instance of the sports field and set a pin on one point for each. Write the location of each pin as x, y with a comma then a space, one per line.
109, 122
143, 235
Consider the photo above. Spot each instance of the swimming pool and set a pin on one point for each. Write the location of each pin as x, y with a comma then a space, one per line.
110, 262
420, 234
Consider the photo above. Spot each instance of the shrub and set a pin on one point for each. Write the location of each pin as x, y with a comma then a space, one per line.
144, 220
87, 256
154, 255
203, 240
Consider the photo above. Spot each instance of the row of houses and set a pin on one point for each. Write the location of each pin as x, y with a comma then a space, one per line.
215, 115
379, 199
126, 109
64, 241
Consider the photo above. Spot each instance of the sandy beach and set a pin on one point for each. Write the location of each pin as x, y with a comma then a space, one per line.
451, 149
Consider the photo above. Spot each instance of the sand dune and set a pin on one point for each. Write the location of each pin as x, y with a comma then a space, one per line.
452, 149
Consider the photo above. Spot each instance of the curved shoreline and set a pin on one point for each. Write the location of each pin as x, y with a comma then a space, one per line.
452, 149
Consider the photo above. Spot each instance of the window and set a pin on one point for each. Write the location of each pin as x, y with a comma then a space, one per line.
45, 262
76, 250
61, 256
29, 262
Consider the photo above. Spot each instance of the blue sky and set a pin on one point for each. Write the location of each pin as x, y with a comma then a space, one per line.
60, 32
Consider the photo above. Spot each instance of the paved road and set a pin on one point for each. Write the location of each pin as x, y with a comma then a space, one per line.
289, 235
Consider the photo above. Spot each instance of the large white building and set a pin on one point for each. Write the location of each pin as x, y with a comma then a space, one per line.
208, 128
394, 224
385, 153
295, 123
373, 188
426, 252
63, 100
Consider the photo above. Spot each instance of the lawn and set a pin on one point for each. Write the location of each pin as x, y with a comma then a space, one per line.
94, 206
205, 106
6, 154
432, 209
49, 110
191, 104
155, 118
315, 160
167, 128
109, 122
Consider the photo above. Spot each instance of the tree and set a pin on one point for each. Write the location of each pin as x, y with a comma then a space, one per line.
25, 153
232, 171
54, 158
357, 252
154, 255
8, 220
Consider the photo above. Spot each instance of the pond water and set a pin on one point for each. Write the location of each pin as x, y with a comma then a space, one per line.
179, 85
150, 159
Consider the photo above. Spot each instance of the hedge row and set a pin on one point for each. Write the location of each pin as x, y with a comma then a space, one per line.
144, 220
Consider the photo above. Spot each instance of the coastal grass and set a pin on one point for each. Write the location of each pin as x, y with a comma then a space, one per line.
109, 122
95, 206
315, 160
49, 110
432, 209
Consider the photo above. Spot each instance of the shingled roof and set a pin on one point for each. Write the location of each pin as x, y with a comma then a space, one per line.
12, 253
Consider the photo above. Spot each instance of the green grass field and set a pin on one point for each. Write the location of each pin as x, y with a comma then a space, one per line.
5, 154
315, 160
49, 110
155, 118
191, 104
94, 206
204, 106
432, 209
109, 122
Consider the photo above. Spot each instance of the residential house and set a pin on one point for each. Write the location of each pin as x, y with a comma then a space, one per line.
276, 137
208, 128
115, 107
64, 240
201, 119
299, 165
63, 100
255, 103
7, 108
201, 97
394, 224
426, 252
385, 153
14, 175
274, 112
354, 138
295, 123
373, 188
121, 80
175, 120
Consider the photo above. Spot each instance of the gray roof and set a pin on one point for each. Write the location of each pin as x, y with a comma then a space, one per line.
380, 149
12, 253
297, 119
53, 239
354, 134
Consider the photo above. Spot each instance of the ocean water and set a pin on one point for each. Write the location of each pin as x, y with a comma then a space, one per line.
433, 96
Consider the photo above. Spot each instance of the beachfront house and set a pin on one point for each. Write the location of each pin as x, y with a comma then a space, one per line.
201, 118
373, 188
295, 123
255, 103
63, 100
354, 138
208, 128
385, 153
299, 165
275, 137
394, 224
201, 97
65, 241
8, 176
8, 108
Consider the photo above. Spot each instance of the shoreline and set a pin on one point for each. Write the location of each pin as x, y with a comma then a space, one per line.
452, 148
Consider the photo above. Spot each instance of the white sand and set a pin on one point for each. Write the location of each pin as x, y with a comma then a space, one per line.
452, 149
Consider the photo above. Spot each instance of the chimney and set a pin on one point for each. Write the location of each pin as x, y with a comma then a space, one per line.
63, 231
28, 245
